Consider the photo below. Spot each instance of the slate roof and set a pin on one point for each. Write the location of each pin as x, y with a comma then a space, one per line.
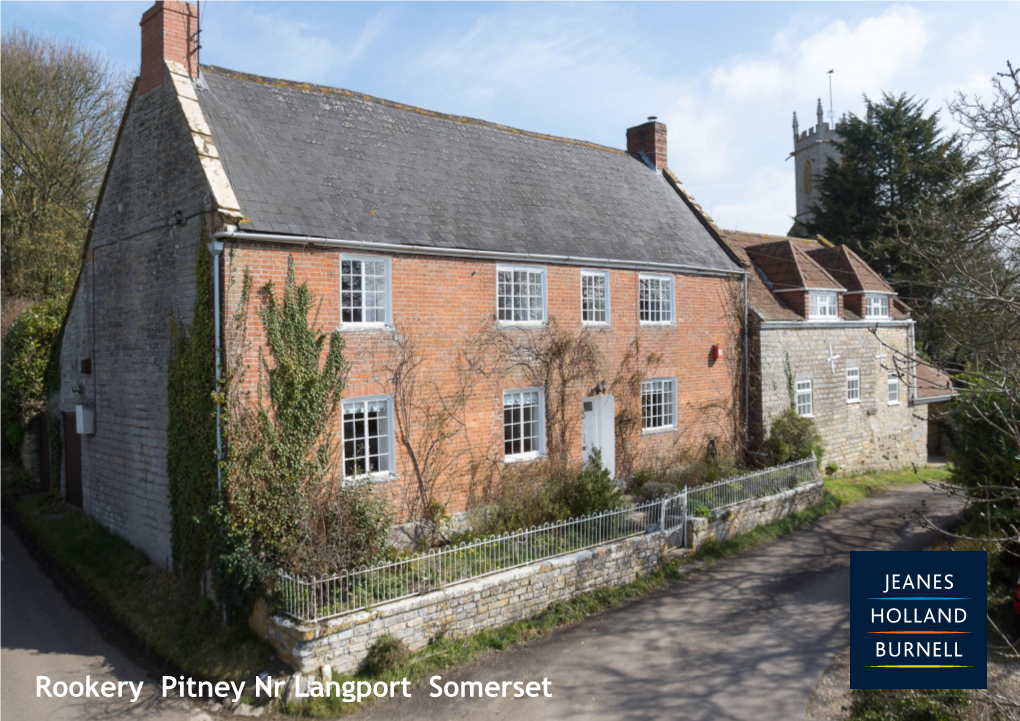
324, 162
781, 262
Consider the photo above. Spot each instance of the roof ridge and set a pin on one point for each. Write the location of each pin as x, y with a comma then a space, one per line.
329, 90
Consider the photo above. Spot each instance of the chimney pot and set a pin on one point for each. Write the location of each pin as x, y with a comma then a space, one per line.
168, 33
649, 139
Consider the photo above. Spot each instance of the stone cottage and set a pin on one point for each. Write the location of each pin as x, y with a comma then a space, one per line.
403, 222
829, 338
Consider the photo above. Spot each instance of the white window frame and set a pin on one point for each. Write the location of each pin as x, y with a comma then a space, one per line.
805, 386
391, 472
388, 311
604, 274
853, 385
814, 295
883, 305
892, 380
529, 455
671, 304
545, 294
663, 428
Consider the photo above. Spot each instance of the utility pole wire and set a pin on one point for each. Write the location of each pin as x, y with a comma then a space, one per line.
44, 166
40, 186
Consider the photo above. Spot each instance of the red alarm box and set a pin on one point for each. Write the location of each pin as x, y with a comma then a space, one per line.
716, 352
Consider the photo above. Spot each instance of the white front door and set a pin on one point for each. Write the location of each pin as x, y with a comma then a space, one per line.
598, 429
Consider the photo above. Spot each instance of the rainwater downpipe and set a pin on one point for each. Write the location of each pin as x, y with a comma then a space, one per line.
216, 250
747, 371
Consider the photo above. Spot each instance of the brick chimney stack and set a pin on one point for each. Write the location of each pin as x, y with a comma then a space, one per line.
650, 139
168, 33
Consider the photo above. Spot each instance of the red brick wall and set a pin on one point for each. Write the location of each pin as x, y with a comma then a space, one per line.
447, 302
167, 28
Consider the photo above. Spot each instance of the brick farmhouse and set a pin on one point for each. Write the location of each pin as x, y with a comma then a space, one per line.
448, 235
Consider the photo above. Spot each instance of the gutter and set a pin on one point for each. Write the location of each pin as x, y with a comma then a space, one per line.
409, 249
925, 400
814, 324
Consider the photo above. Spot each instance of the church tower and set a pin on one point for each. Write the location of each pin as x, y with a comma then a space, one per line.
811, 150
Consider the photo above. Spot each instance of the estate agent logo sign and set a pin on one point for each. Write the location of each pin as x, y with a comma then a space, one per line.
917, 620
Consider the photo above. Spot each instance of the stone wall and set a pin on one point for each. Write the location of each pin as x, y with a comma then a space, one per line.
461, 609
745, 517
869, 434
138, 269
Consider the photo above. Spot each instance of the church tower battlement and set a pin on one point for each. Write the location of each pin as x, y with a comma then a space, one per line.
811, 149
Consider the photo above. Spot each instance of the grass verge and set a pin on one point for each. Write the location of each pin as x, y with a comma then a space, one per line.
445, 653
149, 602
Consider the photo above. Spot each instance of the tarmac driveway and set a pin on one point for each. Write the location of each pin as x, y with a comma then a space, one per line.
746, 639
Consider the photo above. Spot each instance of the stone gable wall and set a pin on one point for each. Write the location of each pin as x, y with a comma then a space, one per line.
138, 269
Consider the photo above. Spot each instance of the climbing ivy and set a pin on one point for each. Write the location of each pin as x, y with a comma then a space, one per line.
284, 502
191, 449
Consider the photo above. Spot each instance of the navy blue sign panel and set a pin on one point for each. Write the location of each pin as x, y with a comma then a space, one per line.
917, 620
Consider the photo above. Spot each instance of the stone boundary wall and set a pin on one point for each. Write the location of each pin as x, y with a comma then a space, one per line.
340, 645
747, 516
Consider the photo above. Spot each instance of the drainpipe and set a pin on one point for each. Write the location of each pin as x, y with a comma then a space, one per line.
747, 371
216, 250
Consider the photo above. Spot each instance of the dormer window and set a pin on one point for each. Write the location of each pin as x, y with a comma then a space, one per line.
876, 306
823, 305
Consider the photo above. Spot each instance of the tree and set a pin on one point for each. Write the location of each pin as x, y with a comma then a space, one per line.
896, 160
61, 108
977, 271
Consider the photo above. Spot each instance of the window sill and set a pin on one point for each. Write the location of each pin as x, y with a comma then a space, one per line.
594, 324
523, 457
372, 477
364, 327
521, 324
657, 431
806, 415
850, 403
892, 403
828, 318
657, 324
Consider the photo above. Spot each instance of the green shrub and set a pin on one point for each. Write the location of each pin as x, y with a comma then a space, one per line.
701, 510
984, 455
831, 469
654, 489
594, 491
793, 437
909, 705
521, 495
27, 348
385, 655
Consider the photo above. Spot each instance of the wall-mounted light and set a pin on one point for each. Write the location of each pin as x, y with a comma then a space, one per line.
717, 352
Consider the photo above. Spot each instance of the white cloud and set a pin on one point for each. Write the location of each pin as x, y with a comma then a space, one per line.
765, 204
866, 57
278, 45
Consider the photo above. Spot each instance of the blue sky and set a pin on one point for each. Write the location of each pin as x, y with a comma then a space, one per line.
725, 77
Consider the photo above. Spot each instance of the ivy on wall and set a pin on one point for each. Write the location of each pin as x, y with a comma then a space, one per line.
191, 447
